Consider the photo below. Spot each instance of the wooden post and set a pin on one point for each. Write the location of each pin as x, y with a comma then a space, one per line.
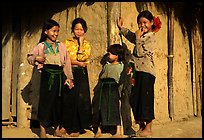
193, 81
113, 15
76, 11
22, 119
170, 62
198, 70
6, 65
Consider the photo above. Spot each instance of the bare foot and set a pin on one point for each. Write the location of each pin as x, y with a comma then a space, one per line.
139, 131
43, 135
42, 132
117, 136
97, 135
145, 133
63, 131
75, 134
65, 135
58, 134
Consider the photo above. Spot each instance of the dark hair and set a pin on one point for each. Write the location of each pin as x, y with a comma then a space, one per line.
48, 24
81, 21
147, 14
117, 49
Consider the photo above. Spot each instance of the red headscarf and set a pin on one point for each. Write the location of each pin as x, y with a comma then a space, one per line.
157, 24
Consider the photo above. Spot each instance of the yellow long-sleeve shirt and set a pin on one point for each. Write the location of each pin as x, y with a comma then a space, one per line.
81, 53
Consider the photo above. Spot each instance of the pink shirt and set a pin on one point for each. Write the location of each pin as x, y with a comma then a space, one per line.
64, 58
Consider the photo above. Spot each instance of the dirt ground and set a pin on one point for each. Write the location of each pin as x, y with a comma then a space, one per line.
190, 128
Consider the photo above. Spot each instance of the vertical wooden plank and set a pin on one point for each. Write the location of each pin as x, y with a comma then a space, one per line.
113, 15
6, 61
197, 50
22, 117
193, 82
170, 62
15, 62
6, 67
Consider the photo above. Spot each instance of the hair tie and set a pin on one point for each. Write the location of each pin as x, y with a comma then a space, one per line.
157, 24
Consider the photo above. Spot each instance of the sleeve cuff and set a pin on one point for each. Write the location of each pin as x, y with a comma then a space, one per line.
124, 31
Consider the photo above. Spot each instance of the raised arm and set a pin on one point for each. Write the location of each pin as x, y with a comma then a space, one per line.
130, 36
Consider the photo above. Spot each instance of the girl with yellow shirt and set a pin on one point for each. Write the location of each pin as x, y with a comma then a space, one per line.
77, 101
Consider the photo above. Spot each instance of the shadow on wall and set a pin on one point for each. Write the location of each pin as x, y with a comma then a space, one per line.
33, 13
30, 94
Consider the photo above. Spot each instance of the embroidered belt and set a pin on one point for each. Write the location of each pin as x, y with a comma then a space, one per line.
51, 79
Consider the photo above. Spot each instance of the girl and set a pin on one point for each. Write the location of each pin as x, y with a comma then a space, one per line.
106, 109
77, 113
54, 63
142, 96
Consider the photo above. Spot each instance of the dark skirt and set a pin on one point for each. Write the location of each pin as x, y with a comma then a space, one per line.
142, 97
77, 113
49, 109
106, 104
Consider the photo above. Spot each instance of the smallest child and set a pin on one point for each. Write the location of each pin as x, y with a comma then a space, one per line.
108, 96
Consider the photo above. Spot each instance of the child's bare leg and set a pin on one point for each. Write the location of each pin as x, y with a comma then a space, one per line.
57, 132
118, 133
98, 133
147, 131
42, 131
141, 126
63, 130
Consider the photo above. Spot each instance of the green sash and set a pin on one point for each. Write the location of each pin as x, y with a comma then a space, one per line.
51, 79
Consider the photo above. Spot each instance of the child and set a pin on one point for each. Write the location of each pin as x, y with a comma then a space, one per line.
77, 114
126, 79
54, 63
142, 96
106, 108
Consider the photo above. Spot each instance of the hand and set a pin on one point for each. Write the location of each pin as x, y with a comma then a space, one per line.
139, 32
120, 23
40, 59
69, 83
81, 40
82, 64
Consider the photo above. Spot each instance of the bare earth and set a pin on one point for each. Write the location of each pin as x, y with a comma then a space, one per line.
191, 128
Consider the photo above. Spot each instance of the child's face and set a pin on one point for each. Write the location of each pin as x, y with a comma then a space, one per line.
145, 25
78, 30
52, 33
112, 58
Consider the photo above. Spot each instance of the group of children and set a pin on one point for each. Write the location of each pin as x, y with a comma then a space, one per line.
126, 81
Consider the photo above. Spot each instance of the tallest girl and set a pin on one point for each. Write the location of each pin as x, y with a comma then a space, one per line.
77, 101
142, 96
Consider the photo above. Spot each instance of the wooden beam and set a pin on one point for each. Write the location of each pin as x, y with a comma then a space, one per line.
170, 62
